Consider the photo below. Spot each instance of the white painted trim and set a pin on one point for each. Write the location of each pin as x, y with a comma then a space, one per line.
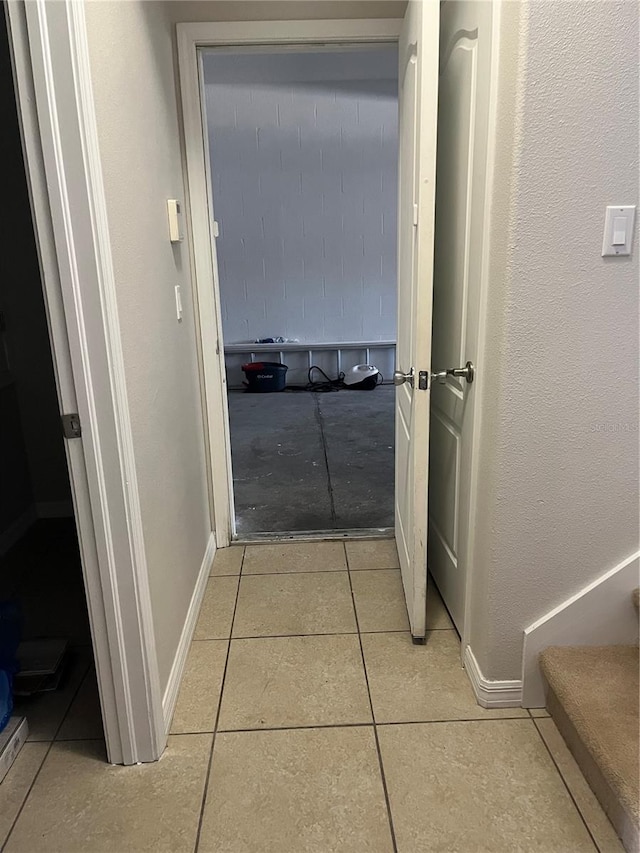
114, 557
476, 495
488, 693
237, 33
601, 614
190, 38
17, 529
308, 347
207, 295
175, 676
63, 371
54, 509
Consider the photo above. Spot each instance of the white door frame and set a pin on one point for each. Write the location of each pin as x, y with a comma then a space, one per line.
192, 37
56, 109
475, 496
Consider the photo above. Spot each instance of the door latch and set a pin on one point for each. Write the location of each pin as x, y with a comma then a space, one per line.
71, 425
467, 372
399, 378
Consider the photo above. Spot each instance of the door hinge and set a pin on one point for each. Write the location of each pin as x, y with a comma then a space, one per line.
415, 214
423, 380
71, 425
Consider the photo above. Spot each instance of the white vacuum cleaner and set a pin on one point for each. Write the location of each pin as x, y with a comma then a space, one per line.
362, 376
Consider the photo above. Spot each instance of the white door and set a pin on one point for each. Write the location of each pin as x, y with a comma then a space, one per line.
463, 117
418, 93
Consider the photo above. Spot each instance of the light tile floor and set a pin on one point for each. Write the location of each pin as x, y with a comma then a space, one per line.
308, 722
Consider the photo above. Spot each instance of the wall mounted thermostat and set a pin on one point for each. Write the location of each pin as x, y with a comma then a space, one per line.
618, 229
174, 212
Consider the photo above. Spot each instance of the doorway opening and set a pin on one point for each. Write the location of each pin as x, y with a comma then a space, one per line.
303, 154
415, 38
42, 591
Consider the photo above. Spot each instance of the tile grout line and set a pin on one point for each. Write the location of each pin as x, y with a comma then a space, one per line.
46, 755
328, 634
564, 782
313, 537
76, 740
383, 778
361, 725
215, 725
308, 571
28, 794
382, 723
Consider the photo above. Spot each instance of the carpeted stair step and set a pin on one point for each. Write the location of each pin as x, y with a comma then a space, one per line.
593, 699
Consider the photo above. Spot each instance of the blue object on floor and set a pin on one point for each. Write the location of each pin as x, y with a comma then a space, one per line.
10, 631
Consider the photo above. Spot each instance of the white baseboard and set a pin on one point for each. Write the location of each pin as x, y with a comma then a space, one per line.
491, 694
175, 676
17, 529
601, 614
54, 509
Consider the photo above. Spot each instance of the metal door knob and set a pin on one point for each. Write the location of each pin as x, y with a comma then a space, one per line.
399, 378
467, 372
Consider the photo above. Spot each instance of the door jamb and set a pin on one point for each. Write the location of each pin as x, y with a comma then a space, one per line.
56, 108
191, 37
492, 137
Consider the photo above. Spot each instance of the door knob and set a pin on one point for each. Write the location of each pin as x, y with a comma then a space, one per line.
467, 372
399, 378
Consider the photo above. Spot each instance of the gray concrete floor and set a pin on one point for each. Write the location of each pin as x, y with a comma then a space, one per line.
307, 461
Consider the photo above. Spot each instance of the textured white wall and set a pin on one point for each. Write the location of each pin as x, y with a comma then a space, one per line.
304, 168
559, 441
131, 51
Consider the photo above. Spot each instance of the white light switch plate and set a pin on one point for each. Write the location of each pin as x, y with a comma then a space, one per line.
618, 229
174, 214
